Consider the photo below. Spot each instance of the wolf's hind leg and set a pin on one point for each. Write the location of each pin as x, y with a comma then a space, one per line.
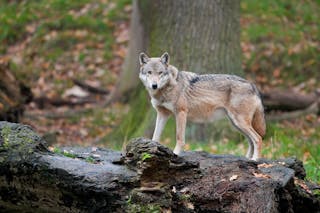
254, 139
250, 148
181, 121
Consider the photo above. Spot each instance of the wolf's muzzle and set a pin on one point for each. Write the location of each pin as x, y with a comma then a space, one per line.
154, 86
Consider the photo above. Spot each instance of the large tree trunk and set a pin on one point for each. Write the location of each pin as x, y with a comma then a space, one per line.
200, 36
148, 178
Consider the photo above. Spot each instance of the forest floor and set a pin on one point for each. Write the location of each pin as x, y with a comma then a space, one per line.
50, 44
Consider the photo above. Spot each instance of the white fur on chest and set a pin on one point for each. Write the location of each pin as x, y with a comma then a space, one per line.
168, 105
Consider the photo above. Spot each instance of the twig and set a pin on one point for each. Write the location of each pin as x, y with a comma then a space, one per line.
43, 101
90, 88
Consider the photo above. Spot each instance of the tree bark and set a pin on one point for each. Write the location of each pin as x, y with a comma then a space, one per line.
147, 178
200, 36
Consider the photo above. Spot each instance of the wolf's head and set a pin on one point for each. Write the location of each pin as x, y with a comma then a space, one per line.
155, 73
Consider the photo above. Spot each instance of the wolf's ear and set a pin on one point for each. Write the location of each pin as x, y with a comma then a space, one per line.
143, 58
165, 58
174, 72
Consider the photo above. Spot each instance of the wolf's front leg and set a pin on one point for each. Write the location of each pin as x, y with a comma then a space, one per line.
181, 121
162, 118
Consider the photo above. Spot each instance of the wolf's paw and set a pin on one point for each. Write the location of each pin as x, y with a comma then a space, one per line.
254, 158
177, 150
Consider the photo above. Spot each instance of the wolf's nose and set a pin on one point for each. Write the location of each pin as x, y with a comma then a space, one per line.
154, 86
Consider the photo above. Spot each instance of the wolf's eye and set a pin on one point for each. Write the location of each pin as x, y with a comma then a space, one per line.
149, 72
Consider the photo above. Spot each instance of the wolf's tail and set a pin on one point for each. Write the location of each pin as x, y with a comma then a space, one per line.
258, 121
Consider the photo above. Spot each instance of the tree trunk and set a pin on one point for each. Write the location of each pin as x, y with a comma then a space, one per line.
200, 36
148, 178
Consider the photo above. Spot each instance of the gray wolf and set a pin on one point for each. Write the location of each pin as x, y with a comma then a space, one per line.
202, 98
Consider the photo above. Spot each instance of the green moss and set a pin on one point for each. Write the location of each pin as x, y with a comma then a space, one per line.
156, 48
19, 141
5, 132
64, 153
185, 197
145, 156
146, 8
13, 138
143, 208
90, 160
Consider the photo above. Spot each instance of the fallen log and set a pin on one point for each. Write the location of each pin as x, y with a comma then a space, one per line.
288, 100
147, 177
43, 102
312, 109
89, 88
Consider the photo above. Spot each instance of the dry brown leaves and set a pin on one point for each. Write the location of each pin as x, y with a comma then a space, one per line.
261, 175
302, 184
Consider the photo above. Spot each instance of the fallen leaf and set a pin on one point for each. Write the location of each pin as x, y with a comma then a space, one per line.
276, 72
260, 175
31, 28
174, 190
185, 190
123, 36
75, 91
189, 205
265, 165
233, 177
128, 8
121, 52
302, 185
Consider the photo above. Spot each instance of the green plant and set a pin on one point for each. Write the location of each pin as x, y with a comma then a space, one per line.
90, 159
145, 156
64, 152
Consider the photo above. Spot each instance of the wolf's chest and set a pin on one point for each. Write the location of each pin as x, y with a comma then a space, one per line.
167, 105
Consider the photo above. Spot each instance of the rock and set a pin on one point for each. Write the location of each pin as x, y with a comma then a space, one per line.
147, 178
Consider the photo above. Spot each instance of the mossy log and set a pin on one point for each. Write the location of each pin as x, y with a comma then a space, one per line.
148, 177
